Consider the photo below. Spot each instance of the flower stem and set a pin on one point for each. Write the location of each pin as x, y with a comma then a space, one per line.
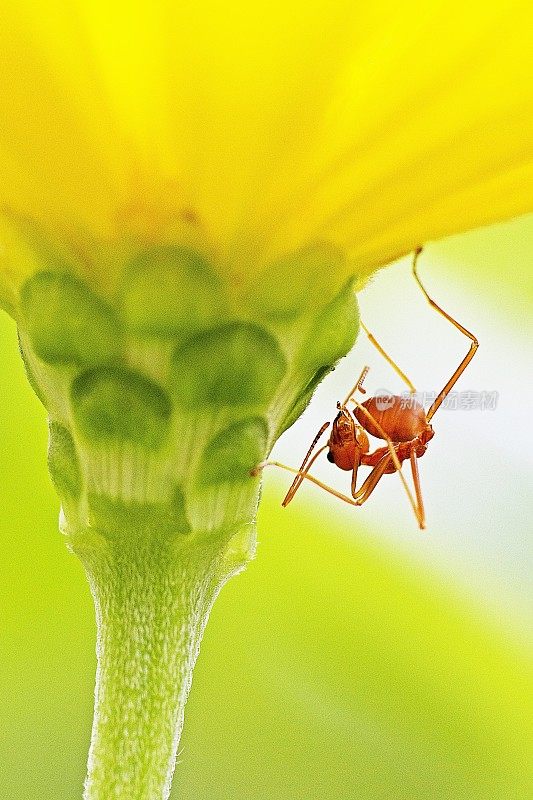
152, 600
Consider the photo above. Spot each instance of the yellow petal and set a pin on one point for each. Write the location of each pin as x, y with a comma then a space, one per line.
371, 126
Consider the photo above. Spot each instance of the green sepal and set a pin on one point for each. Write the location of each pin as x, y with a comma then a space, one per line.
67, 323
63, 462
238, 364
170, 291
234, 452
113, 404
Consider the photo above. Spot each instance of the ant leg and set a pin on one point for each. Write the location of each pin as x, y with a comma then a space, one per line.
306, 476
466, 360
356, 465
393, 456
388, 359
357, 461
372, 480
375, 476
416, 480
298, 480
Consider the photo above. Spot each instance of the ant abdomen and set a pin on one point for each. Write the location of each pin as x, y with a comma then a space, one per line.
402, 418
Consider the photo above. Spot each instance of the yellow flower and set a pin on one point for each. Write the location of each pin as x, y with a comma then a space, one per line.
187, 190
255, 129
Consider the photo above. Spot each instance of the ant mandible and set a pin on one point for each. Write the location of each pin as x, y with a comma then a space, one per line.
404, 426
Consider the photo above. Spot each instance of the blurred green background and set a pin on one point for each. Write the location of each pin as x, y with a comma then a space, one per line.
339, 665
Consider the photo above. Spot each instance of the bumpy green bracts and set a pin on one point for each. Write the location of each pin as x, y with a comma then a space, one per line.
163, 395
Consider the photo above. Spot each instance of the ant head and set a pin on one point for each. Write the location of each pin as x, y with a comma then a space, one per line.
343, 423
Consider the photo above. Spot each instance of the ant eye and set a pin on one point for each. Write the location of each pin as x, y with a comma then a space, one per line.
330, 457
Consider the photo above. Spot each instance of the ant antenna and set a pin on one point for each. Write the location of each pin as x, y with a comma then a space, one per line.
358, 387
388, 359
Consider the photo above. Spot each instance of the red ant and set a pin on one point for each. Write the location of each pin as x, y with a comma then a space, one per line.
401, 422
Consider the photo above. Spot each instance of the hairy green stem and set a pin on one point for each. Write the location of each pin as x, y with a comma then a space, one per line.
152, 601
